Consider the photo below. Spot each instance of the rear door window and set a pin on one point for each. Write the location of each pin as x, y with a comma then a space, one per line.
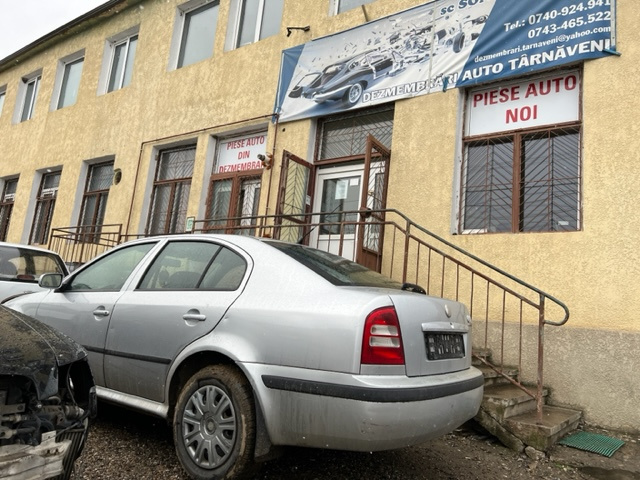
194, 265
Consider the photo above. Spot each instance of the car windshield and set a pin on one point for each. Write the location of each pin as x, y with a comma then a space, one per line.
337, 270
26, 265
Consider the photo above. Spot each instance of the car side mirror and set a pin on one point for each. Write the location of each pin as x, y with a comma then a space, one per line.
50, 280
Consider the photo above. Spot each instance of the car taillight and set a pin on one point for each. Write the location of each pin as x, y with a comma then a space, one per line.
382, 343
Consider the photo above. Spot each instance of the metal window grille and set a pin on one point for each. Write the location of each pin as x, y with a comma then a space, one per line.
94, 201
523, 182
45, 205
6, 206
346, 136
171, 191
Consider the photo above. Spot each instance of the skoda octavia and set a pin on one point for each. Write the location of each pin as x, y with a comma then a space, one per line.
245, 343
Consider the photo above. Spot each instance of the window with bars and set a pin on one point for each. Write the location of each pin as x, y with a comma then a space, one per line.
171, 191
94, 200
527, 181
45, 205
346, 135
221, 206
6, 206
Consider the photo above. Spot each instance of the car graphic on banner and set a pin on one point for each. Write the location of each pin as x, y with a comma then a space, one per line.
439, 45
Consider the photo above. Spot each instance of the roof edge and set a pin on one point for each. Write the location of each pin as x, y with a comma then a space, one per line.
98, 14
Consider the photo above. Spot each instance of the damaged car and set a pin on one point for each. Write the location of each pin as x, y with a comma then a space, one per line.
47, 396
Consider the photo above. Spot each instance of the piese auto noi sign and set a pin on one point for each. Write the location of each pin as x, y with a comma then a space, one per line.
548, 100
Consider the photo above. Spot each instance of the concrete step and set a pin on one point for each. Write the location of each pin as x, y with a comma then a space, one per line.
503, 401
491, 377
484, 353
556, 422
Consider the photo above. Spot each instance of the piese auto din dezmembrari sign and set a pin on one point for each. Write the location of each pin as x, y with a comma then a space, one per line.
439, 45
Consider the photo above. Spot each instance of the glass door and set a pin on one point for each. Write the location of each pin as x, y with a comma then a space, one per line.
339, 190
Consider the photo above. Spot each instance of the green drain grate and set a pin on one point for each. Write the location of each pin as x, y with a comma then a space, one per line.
593, 442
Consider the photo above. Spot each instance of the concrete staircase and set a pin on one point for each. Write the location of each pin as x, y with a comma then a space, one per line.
510, 414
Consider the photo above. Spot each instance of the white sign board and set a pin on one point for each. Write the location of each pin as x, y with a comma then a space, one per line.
541, 101
241, 153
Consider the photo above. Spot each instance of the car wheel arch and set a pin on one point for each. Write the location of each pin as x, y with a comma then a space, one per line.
222, 396
264, 449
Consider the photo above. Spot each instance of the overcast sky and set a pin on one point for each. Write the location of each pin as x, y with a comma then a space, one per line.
23, 21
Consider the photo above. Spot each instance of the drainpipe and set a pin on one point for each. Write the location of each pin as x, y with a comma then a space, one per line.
273, 159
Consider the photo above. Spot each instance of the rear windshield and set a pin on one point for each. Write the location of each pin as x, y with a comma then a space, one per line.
26, 265
338, 270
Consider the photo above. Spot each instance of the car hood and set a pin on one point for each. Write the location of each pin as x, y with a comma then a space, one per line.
34, 350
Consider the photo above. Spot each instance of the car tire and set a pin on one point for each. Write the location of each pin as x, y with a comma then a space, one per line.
353, 94
459, 42
214, 424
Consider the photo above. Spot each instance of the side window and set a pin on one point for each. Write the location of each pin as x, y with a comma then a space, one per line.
3, 94
124, 52
27, 96
118, 58
68, 80
194, 265
110, 272
339, 6
194, 32
253, 20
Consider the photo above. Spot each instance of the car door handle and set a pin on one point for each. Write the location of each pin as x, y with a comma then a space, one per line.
194, 316
101, 312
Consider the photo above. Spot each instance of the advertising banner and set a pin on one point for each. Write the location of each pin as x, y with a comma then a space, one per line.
440, 45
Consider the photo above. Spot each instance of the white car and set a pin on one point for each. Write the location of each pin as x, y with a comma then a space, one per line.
244, 343
21, 267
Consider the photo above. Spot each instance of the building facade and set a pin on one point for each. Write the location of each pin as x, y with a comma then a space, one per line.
145, 117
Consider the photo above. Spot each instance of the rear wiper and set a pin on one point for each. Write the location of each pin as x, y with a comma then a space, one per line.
412, 287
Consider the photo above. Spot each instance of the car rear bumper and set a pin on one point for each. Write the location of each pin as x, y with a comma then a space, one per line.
363, 412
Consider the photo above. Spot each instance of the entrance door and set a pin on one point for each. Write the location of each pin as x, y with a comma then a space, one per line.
373, 201
339, 192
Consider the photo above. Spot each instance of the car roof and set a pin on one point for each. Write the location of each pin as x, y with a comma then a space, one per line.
27, 247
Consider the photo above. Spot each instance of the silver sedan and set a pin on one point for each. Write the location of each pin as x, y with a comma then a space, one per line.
245, 343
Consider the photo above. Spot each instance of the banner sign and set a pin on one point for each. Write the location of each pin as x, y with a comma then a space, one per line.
547, 100
241, 154
439, 45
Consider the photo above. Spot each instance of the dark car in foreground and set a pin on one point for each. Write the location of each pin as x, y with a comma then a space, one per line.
47, 396
244, 343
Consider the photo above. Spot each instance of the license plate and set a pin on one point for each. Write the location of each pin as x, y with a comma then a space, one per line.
441, 346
